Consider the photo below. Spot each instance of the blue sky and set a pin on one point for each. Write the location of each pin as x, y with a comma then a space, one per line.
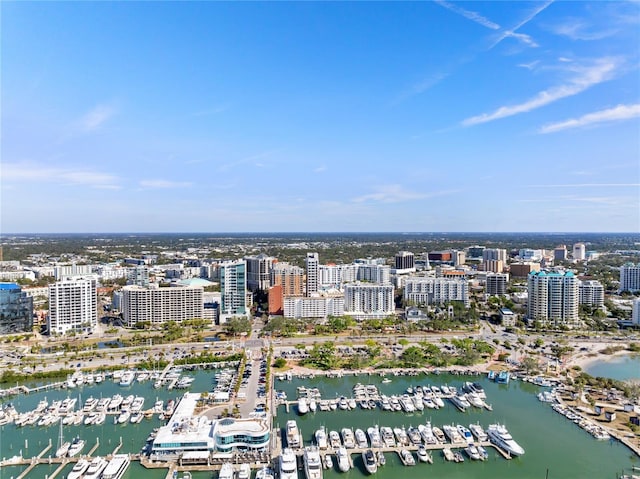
399, 116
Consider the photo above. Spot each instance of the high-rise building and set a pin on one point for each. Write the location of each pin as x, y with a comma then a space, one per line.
405, 261
579, 252
475, 252
630, 277
376, 273
493, 265
139, 276
422, 290
553, 298
16, 309
73, 305
160, 305
497, 284
286, 280
259, 271
635, 314
497, 254
321, 305
233, 290
334, 275
560, 253
459, 257
591, 293
61, 272
311, 263
368, 300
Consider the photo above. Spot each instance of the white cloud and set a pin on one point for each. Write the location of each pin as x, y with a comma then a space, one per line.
530, 65
578, 29
157, 183
512, 32
95, 118
396, 194
602, 70
320, 169
34, 172
618, 113
473, 16
524, 38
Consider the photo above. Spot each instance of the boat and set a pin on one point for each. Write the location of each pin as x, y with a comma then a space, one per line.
374, 436
478, 432
137, 404
76, 446
244, 472
115, 402
343, 403
499, 436
264, 473
321, 438
491, 375
465, 433
79, 469
448, 454
348, 439
63, 446
386, 381
402, 438
328, 462
406, 457
426, 433
288, 464
94, 471
458, 457
503, 377
116, 467
453, 434
381, 459
387, 436
226, 471
414, 436
334, 439
90, 404
123, 417
342, 456
460, 401
370, 461
303, 406
423, 455
102, 417
136, 418
127, 378
312, 463
361, 439
484, 455
475, 400
293, 434
313, 405
472, 452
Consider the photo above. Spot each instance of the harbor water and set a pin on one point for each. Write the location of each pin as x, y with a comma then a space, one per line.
553, 445
625, 367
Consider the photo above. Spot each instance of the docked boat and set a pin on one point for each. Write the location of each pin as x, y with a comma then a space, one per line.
460, 401
342, 457
313, 405
503, 377
312, 463
127, 378
484, 455
472, 452
264, 473
478, 432
475, 400
348, 438
334, 439
370, 461
381, 459
407, 458
136, 418
79, 469
123, 417
402, 438
453, 434
63, 449
458, 457
465, 433
90, 404
448, 454
76, 446
288, 464
244, 472
115, 402
499, 436
293, 434
374, 436
94, 471
116, 467
387, 436
328, 462
361, 439
303, 406
423, 455
137, 404
102, 417
321, 438
226, 471
414, 436
426, 434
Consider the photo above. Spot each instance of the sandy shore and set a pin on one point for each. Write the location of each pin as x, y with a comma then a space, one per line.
593, 354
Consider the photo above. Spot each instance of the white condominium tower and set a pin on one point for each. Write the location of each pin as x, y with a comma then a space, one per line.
73, 305
591, 293
233, 289
368, 300
553, 298
630, 277
311, 263
423, 290
159, 305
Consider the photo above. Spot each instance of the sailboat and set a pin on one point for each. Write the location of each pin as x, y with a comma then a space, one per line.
63, 447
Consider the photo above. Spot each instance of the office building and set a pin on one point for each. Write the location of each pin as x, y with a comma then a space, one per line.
16, 309
496, 284
159, 305
233, 290
522, 270
579, 252
404, 260
368, 300
475, 252
259, 271
459, 257
138, 276
553, 298
425, 291
73, 305
311, 264
493, 265
591, 293
317, 306
440, 256
375, 273
630, 277
508, 318
560, 253
528, 254
497, 254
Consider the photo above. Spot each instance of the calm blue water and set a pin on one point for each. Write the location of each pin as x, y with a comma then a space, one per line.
623, 368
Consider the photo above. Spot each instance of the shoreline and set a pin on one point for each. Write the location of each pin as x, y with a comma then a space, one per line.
584, 360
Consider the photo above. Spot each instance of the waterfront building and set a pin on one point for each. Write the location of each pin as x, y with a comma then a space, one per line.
630, 277
286, 280
160, 305
497, 254
496, 284
16, 309
368, 300
311, 263
73, 305
579, 252
591, 293
233, 290
553, 298
425, 291
321, 305
259, 271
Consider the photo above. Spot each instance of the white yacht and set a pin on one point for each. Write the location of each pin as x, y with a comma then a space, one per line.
321, 438
79, 469
334, 439
348, 439
370, 461
123, 417
127, 378
423, 455
407, 458
312, 463
453, 434
478, 432
226, 471
95, 468
387, 436
293, 434
342, 457
472, 452
245, 471
361, 439
76, 446
116, 467
374, 436
499, 435
288, 464
465, 433
264, 473
303, 406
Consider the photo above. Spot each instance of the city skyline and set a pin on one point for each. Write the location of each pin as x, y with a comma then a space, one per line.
355, 117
